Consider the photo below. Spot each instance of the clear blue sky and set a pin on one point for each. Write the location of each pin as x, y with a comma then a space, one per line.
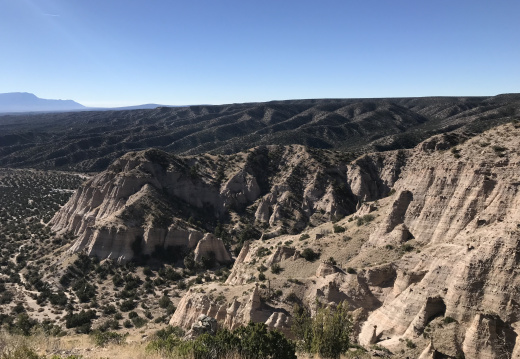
115, 52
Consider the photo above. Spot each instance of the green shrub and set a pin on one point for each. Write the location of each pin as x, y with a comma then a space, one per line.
276, 269
449, 320
101, 339
164, 302
253, 341
128, 324
407, 247
139, 322
338, 229
262, 252
261, 268
309, 254
82, 321
292, 297
21, 352
498, 149
326, 334
304, 237
127, 305
410, 344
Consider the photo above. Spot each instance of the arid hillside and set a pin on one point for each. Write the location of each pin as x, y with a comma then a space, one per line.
90, 141
422, 243
412, 220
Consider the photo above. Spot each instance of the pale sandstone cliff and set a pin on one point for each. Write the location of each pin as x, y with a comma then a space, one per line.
443, 245
147, 196
453, 222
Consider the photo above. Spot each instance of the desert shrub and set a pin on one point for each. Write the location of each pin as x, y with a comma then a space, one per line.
127, 305
82, 321
261, 268
58, 299
139, 322
407, 247
295, 281
253, 341
498, 149
262, 251
164, 302
84, 290
109, 309
147, 271
118, 280
128, 324
189, 261
304, 237
332, 261
209, 261
292, 297
276, 269
338, 229
132, 314
23, 325
410, 344
101, 339
261, 276
326, 334
21, 352
367, 218
309, 254
449, 320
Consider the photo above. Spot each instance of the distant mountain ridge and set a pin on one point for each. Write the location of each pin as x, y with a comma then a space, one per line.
91, 140
20, 102
28, 102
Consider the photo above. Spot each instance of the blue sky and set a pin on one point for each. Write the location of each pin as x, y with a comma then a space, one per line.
116, 53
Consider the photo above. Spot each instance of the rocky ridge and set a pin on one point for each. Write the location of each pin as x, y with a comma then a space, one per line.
436, 266
143, 200
91, 140
430, 256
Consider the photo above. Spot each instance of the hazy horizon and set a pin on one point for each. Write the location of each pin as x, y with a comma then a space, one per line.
120, 54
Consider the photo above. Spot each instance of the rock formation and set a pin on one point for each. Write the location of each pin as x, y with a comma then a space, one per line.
211, 246
438, 253
147, 196
453, 218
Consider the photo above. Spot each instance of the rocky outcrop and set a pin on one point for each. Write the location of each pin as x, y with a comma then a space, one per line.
212, 247
326, 269
203, 325
453, 218
232, 315
148, 196
462, 210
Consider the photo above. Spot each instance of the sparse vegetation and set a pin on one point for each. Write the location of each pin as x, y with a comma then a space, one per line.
276, 268
326, 334
309, 254
338, 229
253, 341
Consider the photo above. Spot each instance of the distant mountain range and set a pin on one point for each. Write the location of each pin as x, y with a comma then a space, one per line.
91, 140
28, 102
